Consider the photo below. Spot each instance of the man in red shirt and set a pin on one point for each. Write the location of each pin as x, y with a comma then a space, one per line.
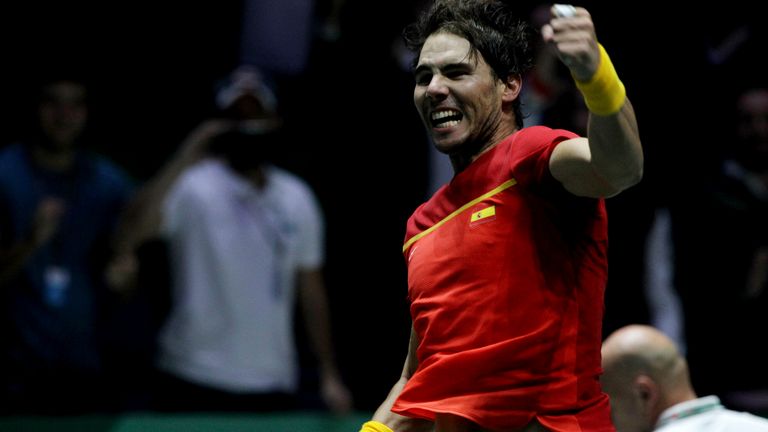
507, 262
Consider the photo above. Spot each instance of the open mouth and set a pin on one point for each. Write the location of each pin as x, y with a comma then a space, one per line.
445, 118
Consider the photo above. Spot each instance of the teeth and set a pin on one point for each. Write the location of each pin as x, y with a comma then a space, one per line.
446, 118
442, 114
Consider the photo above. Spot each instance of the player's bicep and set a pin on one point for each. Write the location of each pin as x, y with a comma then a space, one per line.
571, 165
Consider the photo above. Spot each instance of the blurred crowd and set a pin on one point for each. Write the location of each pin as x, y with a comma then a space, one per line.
251, 166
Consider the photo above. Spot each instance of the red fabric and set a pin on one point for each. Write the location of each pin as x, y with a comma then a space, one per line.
509, 311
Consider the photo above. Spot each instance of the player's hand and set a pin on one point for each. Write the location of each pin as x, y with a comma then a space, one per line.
571, 33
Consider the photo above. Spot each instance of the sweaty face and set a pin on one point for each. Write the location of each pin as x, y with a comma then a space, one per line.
457, 95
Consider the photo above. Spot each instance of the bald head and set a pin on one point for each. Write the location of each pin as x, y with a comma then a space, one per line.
644, 374
641, 348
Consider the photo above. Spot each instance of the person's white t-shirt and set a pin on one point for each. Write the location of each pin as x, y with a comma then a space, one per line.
235, 251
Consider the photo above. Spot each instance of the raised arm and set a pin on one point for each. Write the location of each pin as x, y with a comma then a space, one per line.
610, 159
141, 221
142, 217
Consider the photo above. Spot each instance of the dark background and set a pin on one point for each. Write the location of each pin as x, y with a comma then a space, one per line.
355, 135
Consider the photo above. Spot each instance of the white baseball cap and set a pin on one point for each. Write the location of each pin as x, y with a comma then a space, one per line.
243, 81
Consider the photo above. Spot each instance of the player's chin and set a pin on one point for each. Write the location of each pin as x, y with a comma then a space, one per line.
447, 133
447, 143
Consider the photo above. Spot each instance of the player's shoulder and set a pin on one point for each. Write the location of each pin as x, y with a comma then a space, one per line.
540, 133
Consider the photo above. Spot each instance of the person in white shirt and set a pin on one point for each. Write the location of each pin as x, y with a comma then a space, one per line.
647, 381
245, 241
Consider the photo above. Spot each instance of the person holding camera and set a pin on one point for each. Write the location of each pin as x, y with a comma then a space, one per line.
245, 241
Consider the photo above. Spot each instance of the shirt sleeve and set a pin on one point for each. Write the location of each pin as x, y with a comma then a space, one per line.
531, 151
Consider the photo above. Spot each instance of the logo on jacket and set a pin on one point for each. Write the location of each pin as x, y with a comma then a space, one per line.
482, 216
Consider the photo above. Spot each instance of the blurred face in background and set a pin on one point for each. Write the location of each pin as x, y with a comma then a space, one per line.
753, 129
63, 114
255, 136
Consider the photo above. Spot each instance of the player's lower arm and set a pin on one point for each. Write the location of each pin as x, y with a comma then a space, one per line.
604, 93
614, 141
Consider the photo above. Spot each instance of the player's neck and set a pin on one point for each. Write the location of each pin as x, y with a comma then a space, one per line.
473, 150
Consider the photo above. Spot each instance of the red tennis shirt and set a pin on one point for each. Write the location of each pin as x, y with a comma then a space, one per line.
506, 277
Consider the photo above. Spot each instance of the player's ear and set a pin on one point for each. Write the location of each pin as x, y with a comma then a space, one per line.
512, 86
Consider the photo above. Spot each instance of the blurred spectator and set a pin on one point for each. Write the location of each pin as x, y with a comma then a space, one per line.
58, 207
245, 240
365, 76
647, 380
721, 251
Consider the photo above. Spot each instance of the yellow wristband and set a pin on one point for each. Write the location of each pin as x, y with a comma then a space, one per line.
374, 426
604, 94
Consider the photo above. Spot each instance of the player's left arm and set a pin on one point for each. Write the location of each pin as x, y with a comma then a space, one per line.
610, 159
